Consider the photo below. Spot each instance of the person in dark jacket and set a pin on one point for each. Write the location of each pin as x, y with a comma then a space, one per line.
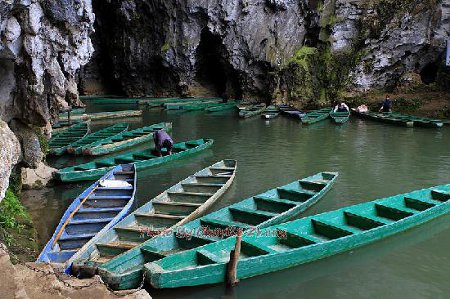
162, 140
387, 105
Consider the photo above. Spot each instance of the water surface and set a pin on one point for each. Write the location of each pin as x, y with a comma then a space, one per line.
374, 160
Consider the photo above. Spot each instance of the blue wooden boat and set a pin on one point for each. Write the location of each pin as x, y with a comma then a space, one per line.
97, 209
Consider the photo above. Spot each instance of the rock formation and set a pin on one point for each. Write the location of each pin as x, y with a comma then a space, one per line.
246, 48
43, 44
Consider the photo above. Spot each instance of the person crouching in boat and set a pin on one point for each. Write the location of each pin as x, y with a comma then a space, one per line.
162, 140
341, 107
386, 106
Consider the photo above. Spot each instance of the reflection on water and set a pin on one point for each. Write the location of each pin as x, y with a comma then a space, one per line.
374, 160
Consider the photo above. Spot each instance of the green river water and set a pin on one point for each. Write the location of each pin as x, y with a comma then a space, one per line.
374, 160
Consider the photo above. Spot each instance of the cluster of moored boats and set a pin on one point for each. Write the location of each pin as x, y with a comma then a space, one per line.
171, 241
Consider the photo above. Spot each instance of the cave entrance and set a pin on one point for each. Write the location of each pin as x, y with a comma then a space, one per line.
429, 73
213, 71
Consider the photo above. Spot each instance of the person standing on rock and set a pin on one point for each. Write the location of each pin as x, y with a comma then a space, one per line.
386, 106
162, 140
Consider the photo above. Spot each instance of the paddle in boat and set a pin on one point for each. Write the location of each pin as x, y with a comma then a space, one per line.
340, 117
124, 140
97, 209
61, 140
271, 207
252, 110
77, 147
316, 116
270, 112
301, 241
179, 204
143, 159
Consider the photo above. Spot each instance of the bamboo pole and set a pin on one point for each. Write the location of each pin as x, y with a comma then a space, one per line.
234, 259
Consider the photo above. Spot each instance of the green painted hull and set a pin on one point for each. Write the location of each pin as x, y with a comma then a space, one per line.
316, 116
340, 117
61, 140
271, 207
384, 118
166, 211
124, 140
252, 110
302, 241
107, 115
63, 125
222, 107
421, 121
143, 159
77, 147
200, 106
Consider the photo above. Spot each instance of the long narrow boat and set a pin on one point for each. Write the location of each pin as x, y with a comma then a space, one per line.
59, 142
143, 159
252, 110
420, 121
222, 107
304, 240
193, 104
385, 118
179, 204
98, 208
340, 117
76, 111
124, 140
107, 115
200, 106
316, 116
63, 125
292, 112
270, 112
159, 103
77, 147
271, 207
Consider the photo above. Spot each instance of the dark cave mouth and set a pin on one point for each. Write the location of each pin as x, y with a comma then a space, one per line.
428, 74
213, 71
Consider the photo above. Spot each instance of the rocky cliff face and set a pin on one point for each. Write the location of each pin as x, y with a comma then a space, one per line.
251, 48
43, 44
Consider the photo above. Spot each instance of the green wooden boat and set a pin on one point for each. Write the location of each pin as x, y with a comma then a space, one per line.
192, 104
159, 103
420, 121
63, 125
200, 106
77, 147
384, 118
252, 110
270, 112
60, 140
316, 116
271, 207
176, 206
124, 140
143, 159
76, 111
302, 241
107, 115
222, 107
340, 117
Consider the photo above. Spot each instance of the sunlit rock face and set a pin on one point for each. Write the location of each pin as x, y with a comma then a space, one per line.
43, 45
398, 37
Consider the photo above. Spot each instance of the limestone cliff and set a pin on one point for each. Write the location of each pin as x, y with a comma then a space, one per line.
43, 44
251, 48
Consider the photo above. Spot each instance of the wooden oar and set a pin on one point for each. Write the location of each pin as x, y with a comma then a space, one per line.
73, 213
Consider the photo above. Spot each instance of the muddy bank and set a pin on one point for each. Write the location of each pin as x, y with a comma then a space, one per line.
20, 281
